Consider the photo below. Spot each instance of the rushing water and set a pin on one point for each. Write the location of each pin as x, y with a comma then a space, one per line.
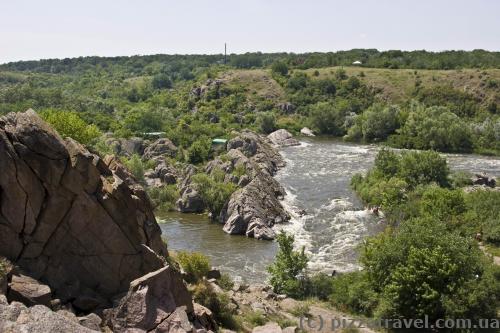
316, 178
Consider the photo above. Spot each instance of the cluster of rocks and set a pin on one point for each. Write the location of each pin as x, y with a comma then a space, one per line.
82, 239
255, 207
484, 180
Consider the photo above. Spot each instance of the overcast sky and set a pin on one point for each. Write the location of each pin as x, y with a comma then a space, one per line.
34, 29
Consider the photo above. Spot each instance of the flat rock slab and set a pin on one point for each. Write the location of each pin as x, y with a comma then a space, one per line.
29, 291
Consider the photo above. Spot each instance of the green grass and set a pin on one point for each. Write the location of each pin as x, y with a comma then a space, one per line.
493, 250
398, 84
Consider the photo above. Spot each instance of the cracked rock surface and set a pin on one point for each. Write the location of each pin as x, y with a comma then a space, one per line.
68, 218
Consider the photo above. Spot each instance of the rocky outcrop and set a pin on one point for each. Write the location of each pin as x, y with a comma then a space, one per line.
307, 132
286, 108
190, 200
283, 138
70, 219
254, 208
482, 179
29, 291
126, 147
159, 149
16, 317
154, 303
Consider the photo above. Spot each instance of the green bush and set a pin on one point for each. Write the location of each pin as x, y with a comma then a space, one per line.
196, 265
214, 192
70, 124
375, 124
288, 272
460, 179
279, 67
352, 292
136, 166
423, 168
164, 198
328, 118
220, 304
225, 282
420, 268
266, 122
199, 151
434, 128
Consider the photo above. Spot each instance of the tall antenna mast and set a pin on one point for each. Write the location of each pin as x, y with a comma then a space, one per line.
225, 53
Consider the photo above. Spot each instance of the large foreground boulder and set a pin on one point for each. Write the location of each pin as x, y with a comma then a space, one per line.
70, 219
156, 302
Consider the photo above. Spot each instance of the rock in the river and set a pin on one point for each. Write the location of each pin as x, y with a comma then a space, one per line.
307, 132
68, 218
283, 138
16, 317
190, 201
29, 291
482, 179
160, 148
158, 299
255, 208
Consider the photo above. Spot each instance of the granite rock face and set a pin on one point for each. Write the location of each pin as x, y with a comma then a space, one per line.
152, 303
68, 218
254, 208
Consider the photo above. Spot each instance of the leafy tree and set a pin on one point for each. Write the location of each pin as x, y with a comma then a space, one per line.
280, 68
198, 152
214, 192
161, 81
328, 118
135, 165
70, 124
266, 122
434, 128
421, 268
288, 272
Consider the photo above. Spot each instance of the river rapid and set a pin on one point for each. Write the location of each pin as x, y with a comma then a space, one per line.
316, 178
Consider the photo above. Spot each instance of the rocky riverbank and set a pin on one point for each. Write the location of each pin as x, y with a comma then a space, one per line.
83, 249
249, 161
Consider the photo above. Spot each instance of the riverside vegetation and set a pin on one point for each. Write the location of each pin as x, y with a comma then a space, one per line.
426, 262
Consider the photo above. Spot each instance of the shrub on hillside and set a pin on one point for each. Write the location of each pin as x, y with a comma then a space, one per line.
196, 265
214, 192
434, 128
421, 268
163, 198
288, 272
70, 124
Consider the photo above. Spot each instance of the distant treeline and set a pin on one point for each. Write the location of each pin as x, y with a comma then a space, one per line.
137, 65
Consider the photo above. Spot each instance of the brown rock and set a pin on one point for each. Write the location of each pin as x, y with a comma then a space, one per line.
150, 302
159, 148
16, 318
204, 318
268, 328
28, 291
69, 218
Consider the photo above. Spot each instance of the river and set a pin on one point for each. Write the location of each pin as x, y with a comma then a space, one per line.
316, 179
